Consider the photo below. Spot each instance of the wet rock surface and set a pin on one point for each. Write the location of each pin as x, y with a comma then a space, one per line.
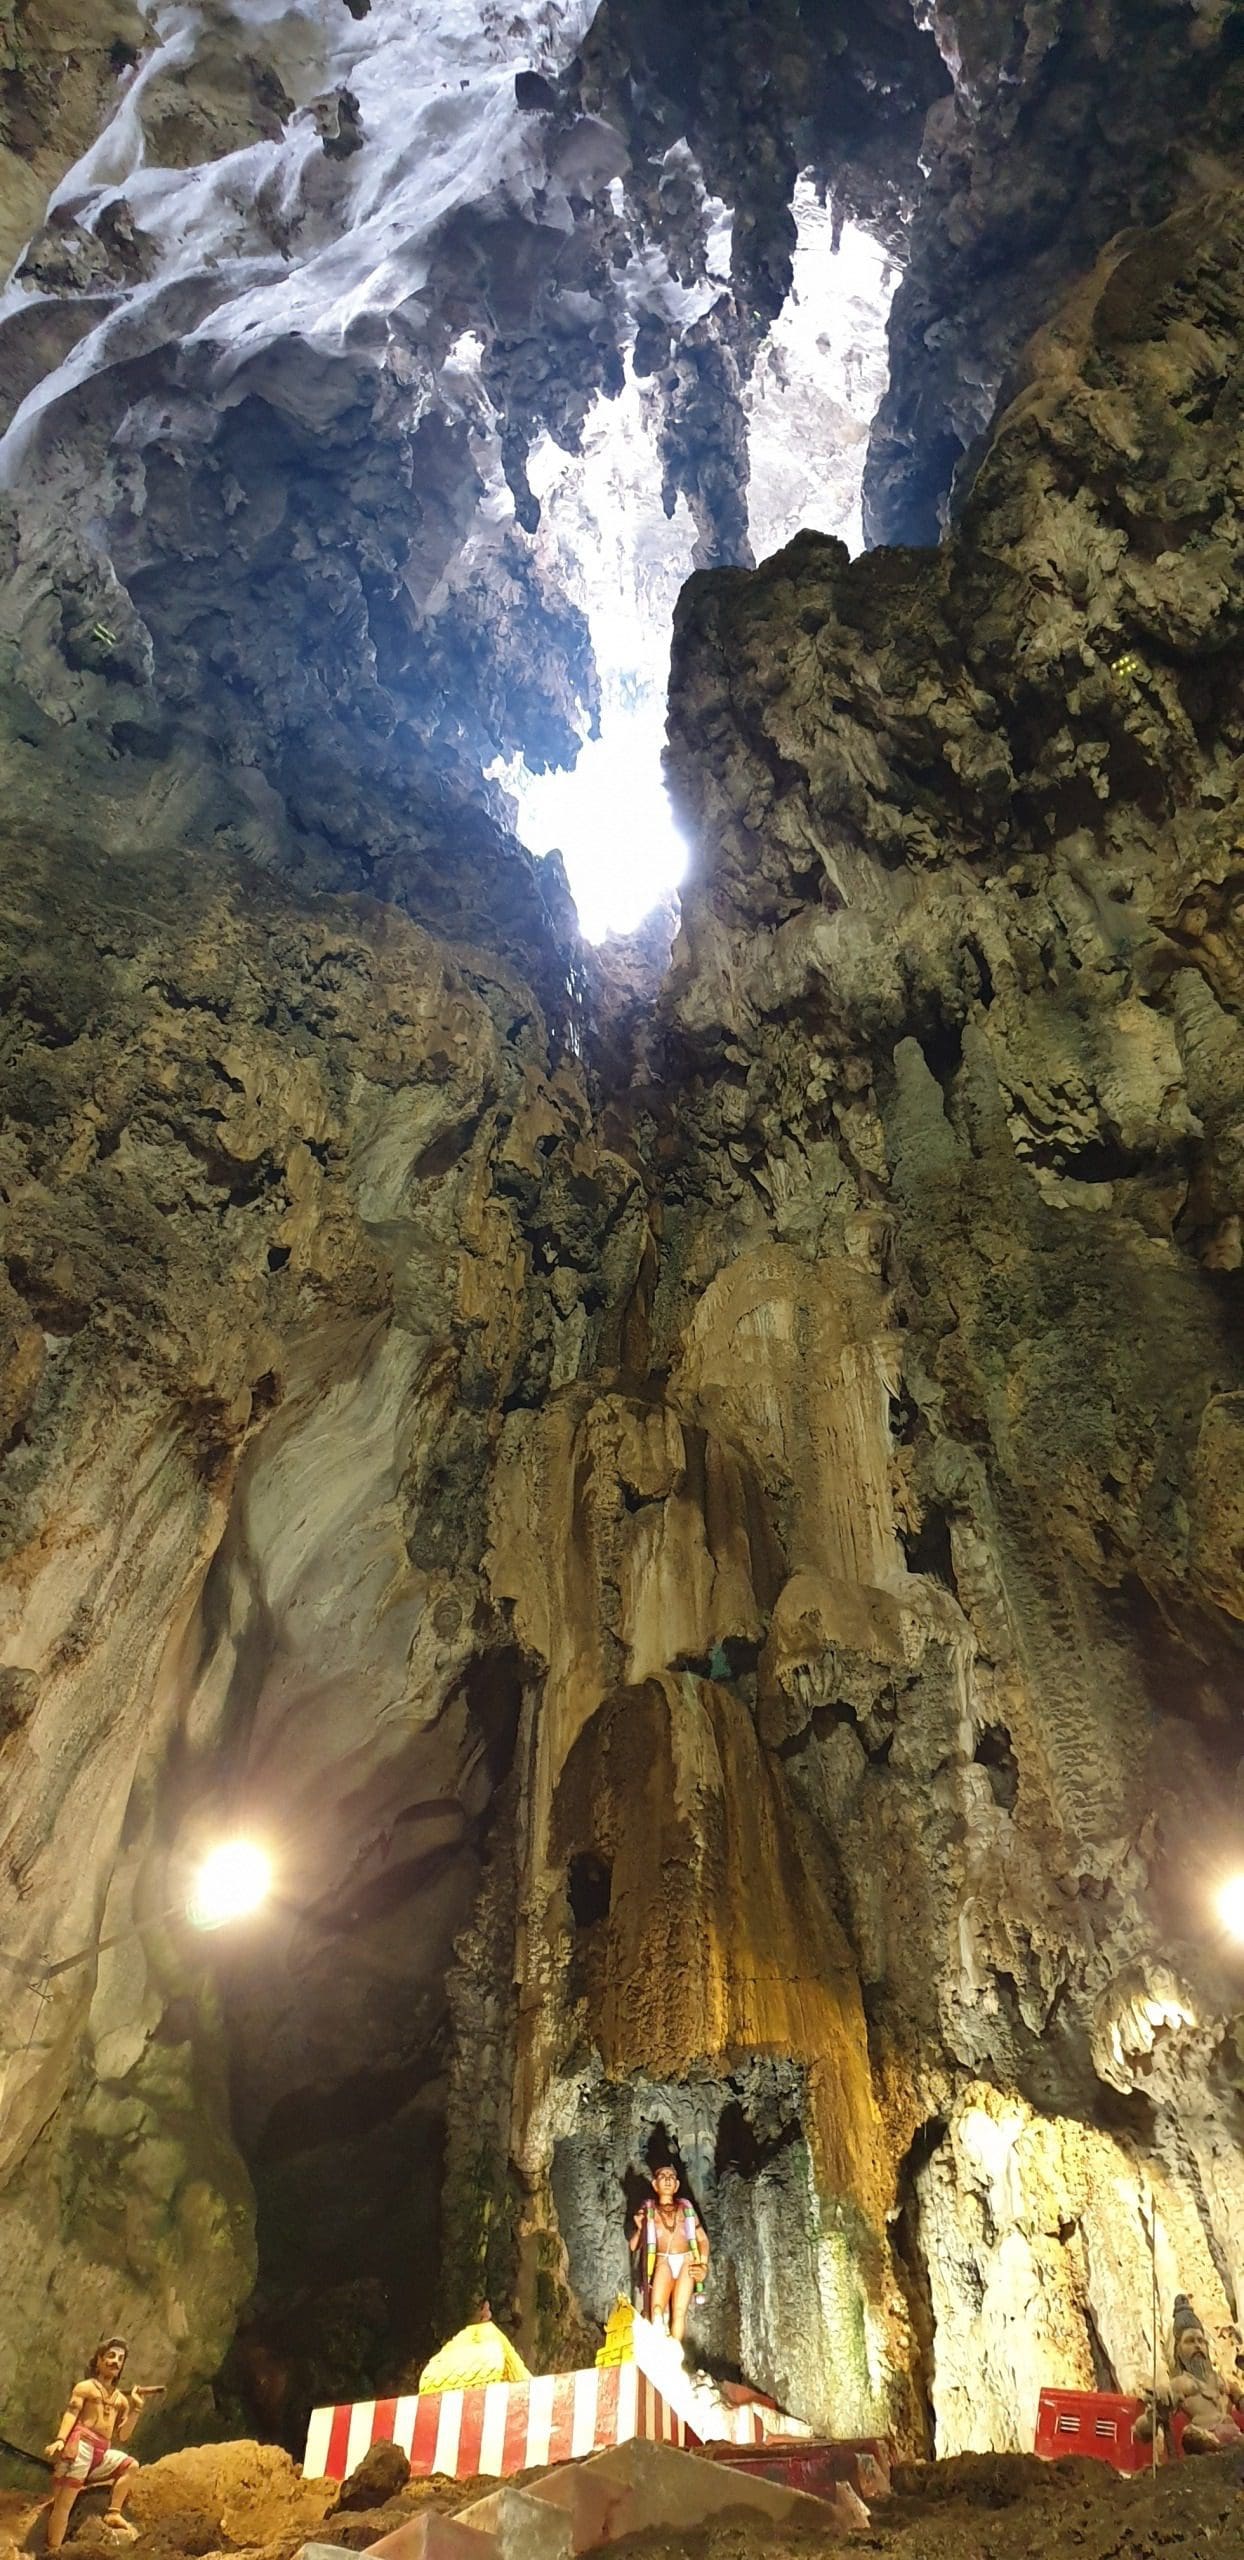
1067, 125
850, 890
207, 1206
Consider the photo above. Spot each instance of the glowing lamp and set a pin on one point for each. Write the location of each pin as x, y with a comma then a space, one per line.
1231, 1905
232, 1881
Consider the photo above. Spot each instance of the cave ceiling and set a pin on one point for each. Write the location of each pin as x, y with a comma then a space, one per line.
722, 1465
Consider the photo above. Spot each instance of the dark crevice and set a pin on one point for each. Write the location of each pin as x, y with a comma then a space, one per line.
984, 974
443, 1153
348, 2112
928, 1549
995, 1755
911, 2267
589, 1888
745, 2151
1105, 2374
1100, 1159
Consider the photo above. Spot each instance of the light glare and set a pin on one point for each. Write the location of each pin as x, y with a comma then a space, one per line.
606, 541
611, 820
1231, 1906
232, 1881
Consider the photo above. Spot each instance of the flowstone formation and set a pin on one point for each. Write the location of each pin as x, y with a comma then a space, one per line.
704, 1525
960, 987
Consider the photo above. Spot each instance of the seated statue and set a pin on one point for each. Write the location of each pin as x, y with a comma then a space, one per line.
1195, 2387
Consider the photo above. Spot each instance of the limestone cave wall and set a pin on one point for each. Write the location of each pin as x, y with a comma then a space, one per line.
252, 1363
959, 949
703, 1521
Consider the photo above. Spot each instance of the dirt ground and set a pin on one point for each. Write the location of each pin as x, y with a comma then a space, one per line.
1012, 2507
977, 2507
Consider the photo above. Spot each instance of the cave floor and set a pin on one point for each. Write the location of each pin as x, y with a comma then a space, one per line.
975, 2507
1012, 2507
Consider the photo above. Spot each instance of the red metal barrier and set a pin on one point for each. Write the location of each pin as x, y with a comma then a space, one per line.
1096, 2424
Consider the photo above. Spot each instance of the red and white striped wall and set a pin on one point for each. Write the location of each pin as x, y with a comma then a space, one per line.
502, 2427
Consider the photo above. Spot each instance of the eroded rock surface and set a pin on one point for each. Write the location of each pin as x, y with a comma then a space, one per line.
946, 949
1067, 125
251, 1409
60, 64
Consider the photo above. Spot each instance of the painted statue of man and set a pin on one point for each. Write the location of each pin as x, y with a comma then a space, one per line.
86, 2454
1198, 2389
674, 2247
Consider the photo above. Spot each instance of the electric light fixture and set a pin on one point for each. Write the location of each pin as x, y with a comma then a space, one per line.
232, 1881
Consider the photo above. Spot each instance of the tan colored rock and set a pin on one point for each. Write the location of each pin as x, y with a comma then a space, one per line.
61, 74
722, 1578
252, 2492
375, 1325
18, 2521
1218, 1503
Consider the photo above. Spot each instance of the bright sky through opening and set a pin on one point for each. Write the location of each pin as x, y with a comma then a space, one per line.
605, 535
611, 819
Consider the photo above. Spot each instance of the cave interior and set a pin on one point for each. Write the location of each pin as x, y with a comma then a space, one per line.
622, 1159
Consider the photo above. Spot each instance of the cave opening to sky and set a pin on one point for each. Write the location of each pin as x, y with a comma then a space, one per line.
815, 389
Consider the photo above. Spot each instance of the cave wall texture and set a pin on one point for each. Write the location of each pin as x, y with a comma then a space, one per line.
704, 1518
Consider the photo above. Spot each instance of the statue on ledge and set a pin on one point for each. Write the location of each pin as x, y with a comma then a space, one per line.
675, 2255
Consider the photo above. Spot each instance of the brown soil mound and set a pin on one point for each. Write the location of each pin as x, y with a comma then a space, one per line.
355, 2531
187, 2534
252, 2492
1009, 2507
382, 2474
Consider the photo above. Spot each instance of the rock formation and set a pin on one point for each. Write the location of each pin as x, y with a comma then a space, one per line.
703, 1524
